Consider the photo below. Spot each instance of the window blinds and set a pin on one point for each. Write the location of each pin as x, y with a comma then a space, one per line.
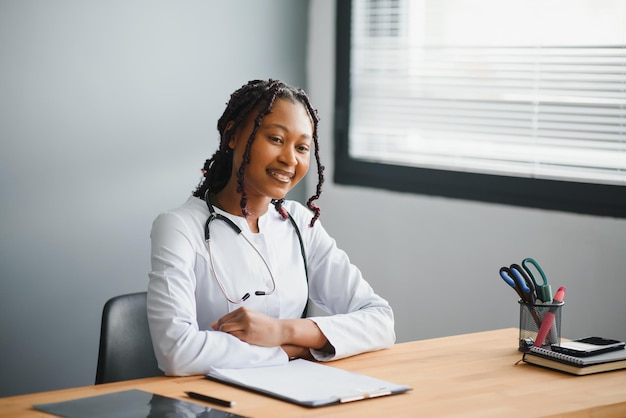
425, 95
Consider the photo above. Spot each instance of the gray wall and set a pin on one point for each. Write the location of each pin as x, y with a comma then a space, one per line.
437, 260
107, 112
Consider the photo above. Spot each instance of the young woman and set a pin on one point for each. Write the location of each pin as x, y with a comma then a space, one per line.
234, 266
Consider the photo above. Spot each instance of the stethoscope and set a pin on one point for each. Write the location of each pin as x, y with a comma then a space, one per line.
213, 215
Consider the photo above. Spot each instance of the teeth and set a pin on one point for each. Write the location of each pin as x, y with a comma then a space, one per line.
281, 177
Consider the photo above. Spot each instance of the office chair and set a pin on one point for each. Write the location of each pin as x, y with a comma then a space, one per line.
126, 350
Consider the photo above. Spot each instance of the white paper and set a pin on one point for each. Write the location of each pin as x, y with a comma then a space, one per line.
308, 382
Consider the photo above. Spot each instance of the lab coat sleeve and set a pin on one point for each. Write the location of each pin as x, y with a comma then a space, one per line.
360, 320
180, 347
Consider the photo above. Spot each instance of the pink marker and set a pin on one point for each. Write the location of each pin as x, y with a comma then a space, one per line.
548, 320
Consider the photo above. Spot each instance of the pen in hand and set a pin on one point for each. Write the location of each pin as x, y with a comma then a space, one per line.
210, 399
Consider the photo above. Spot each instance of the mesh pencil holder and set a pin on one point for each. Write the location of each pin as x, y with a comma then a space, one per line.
539, 321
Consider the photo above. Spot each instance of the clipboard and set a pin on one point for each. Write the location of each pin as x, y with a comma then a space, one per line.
307, 383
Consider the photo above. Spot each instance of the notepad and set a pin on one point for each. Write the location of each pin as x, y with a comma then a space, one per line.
605, 362
307, 383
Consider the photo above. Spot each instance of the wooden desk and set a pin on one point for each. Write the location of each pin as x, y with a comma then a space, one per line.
471, 375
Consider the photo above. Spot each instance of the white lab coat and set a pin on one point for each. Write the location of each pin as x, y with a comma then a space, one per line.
184, 297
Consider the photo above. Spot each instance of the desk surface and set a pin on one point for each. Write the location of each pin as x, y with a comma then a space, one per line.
471, 375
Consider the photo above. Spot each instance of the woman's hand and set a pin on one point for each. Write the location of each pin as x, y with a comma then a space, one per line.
252, 327
256, 328
295, 351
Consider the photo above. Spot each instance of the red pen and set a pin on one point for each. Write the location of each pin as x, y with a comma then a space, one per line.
548, 320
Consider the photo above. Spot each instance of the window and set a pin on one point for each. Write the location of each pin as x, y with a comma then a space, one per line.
502, 101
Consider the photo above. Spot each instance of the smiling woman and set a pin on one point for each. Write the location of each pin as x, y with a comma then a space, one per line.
281, 158
277, 259
237, 126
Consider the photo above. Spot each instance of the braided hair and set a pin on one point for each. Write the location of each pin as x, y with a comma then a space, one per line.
256, 95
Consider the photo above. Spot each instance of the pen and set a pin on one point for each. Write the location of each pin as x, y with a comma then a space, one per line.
548, 320
210, 399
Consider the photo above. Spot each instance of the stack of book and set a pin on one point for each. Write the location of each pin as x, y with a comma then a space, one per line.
613, 360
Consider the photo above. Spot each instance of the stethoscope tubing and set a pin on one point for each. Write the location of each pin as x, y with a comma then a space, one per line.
213, 215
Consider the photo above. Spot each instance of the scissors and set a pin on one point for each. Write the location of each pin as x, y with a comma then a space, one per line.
515, 277
543, 289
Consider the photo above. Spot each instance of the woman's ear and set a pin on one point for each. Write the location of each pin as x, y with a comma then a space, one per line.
231, 137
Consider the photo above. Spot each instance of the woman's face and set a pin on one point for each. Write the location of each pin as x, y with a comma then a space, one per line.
280, 153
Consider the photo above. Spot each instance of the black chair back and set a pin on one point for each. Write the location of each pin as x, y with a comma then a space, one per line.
126, 350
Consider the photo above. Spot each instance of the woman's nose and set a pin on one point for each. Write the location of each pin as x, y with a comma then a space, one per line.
288, 156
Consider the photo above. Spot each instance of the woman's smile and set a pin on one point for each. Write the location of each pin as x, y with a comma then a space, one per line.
280, 175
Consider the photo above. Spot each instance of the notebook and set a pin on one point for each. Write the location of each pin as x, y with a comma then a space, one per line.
307, 383
131, 404
613, 360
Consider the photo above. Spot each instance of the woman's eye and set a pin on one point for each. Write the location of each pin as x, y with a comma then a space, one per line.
275, 139
303, 149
